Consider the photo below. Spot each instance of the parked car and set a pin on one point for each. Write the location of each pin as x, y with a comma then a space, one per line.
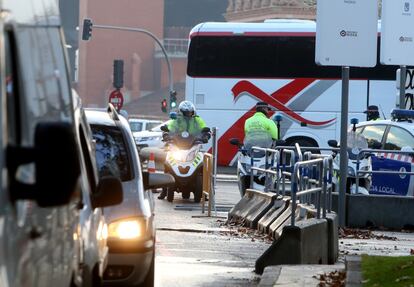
40, 191
139, 125
96, 193
150, 138
131, 231
395, 134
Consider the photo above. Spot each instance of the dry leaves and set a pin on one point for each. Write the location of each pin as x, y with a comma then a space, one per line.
333, 279
350, 233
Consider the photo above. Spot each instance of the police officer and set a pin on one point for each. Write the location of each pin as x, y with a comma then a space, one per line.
260, 122
186, 121
372, 113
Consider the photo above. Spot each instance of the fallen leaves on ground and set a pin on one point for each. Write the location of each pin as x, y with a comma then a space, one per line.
238, 229
350, 233
332, 279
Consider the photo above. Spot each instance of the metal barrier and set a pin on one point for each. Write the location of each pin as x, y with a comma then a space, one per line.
207, 183
364, 151
312, 176
269, 168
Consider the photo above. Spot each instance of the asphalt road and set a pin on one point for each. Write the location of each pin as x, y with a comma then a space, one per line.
194, 250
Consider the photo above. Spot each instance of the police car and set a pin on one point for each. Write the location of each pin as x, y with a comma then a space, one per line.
394, 134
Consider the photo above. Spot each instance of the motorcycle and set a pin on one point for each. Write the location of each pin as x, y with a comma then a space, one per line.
184, 161
247, 157
356, 142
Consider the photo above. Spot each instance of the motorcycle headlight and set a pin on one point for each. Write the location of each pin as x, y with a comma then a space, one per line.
179, 155
132, 228
351, 171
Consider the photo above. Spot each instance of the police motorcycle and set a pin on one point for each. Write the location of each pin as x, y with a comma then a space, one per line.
248, 158
184, 161
355, 143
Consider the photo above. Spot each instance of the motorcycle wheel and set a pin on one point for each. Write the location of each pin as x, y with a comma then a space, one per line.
198, 189
170, 195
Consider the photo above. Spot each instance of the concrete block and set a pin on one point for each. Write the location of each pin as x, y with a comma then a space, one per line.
251, 207
304, 243
333, 245
274, 212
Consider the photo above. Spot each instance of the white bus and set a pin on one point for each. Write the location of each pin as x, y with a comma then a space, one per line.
231, 66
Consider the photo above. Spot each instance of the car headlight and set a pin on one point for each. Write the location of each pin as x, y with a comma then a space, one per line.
127, 228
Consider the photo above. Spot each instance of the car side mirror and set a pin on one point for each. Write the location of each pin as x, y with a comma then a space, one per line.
157, 180
164, 128
235, 141
333, 143
55, 157
109, 192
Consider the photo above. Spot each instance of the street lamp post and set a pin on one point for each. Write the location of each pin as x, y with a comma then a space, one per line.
87, 33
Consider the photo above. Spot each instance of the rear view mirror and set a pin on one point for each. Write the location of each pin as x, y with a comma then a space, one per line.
235, 141
280, 143
157, 180
56, 162
109, 192
333, 143
164, 128
205, 130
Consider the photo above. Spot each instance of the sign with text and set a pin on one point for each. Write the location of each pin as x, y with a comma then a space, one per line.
397, 33
346, 33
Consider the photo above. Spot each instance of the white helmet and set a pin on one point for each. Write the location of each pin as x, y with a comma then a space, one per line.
187, 108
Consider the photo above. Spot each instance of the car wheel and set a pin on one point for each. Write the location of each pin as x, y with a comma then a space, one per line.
149, 279
198, 190
170, 195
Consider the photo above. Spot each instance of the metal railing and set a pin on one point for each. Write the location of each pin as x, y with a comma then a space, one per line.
313, 176
359, 172
270, 168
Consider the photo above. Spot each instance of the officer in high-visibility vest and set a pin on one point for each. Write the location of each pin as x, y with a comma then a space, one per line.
260, 122
372, 113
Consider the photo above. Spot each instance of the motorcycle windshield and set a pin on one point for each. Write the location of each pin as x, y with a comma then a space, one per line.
258, 139
356, 143
184, 140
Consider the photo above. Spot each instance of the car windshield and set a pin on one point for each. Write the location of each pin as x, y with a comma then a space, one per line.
135, 126
111, 152
152, 125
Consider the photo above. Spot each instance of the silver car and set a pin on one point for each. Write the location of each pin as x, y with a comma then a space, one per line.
131, 231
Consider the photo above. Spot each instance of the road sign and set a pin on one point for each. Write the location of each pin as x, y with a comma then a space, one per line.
116, 99
346, 33
397, 35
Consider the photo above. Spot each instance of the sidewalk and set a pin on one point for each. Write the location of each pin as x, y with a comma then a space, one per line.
351, 246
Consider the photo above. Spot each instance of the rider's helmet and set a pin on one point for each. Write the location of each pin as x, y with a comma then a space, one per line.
263, 107
187, 109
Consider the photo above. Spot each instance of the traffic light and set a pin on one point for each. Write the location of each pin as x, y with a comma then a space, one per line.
87, 29
164, 105
173, 99
118, 74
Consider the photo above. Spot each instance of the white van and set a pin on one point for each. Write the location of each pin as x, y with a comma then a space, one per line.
40, 190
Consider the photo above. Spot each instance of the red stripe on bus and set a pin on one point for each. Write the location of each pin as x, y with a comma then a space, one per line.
227, 151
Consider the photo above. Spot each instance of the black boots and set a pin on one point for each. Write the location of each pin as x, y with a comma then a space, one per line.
163, 194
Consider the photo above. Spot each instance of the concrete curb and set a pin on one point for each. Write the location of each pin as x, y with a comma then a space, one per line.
353, 271
270, 276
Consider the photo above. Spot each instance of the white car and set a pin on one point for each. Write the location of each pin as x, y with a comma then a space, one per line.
139, 125
150, 138
396, 134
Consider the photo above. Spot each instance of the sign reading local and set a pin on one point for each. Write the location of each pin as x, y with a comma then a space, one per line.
397, 32
116, 99
346, 33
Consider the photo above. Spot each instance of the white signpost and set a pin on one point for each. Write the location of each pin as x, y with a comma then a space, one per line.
397, 37
346, 35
